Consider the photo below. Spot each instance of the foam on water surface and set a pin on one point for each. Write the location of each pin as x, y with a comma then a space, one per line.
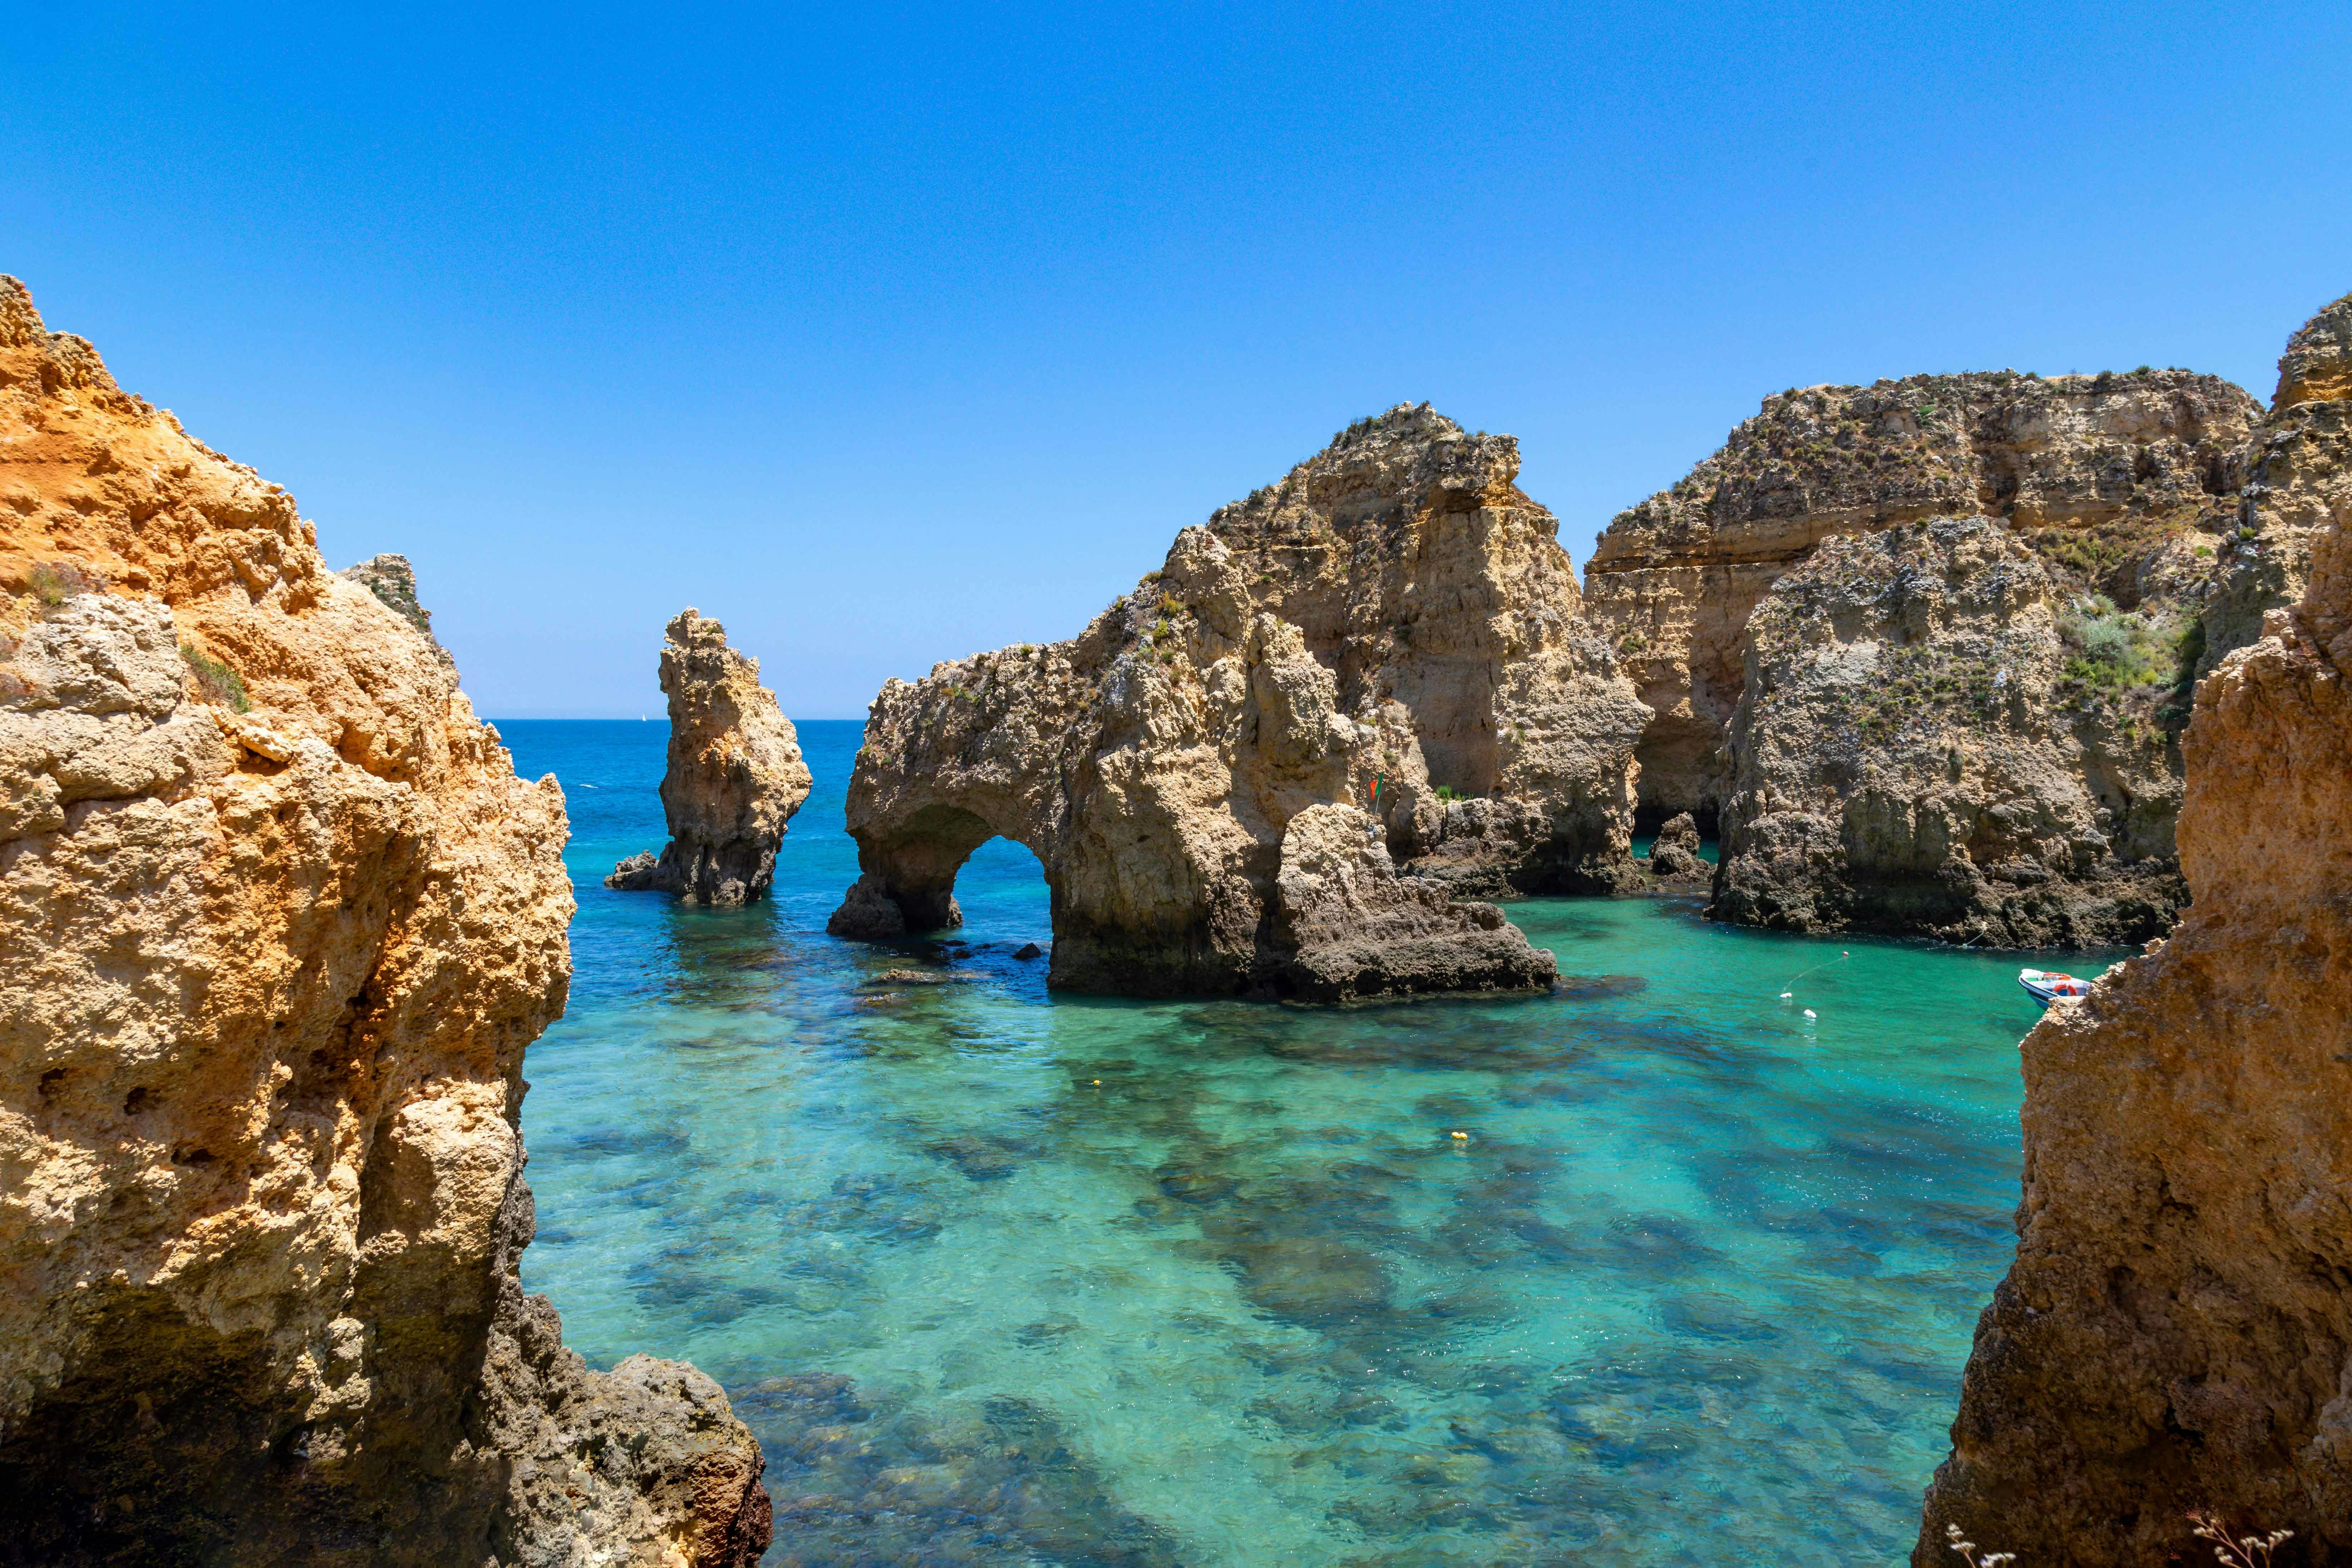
1002, 1276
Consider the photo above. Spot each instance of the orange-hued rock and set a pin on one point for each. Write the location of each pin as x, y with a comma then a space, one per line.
277, 920
1244, 775
2176, 1333
734, 778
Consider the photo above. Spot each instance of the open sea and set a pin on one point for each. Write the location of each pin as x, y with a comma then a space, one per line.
1659, 1269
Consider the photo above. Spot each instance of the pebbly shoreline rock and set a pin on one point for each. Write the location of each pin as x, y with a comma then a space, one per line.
1395, 613
734, 778
279, 921
2174, 1331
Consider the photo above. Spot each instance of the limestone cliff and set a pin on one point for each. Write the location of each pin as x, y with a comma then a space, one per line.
735, 775
2117, 480
1886, 740
2177, 1329
1912, 752
1395, 613
279, 921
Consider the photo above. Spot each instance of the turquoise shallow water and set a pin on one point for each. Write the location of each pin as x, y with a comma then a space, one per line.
1006, 1278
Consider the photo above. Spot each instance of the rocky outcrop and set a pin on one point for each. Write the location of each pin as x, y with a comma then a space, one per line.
393, 581
279, 921
2176, 1333
2117, 480
1922, 648
735, 775
2298, 471
1391, 634
1674, 853
1911, 754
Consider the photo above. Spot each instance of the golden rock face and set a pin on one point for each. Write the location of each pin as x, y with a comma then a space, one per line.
2176, 1329
2117, 467
279, 920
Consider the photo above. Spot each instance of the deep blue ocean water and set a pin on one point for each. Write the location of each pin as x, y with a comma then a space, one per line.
1657, 1271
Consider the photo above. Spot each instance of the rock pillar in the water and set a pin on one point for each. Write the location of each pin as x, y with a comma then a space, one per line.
735, 774
1675, 852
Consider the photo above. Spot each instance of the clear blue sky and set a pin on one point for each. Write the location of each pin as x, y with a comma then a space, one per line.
889, 334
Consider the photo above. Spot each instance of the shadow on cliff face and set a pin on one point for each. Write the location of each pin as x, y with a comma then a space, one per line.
861, 1484
168, 1444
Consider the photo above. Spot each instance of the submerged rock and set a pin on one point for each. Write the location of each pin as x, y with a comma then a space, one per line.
279, 921
735, 775
1391, 629
2174, 1332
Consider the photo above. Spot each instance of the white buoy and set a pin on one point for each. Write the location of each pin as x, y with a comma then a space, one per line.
1810, 1014
1786, 995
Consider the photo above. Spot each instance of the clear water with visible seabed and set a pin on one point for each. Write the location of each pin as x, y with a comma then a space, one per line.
1655, 1270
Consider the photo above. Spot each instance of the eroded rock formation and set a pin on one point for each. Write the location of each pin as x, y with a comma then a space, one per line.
279, 920
393, 581
1909, 756
2115, 472
1674, 853
2100, 503
735, 775
2176, 1333
2297, 467
1396, 612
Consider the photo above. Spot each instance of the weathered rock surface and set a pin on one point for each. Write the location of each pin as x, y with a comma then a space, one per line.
2113, 478
1674, 853
393, 581
2102, 500
734, 779
279, 921
2298, 468
1910, 756
2177, 1330
1395, 610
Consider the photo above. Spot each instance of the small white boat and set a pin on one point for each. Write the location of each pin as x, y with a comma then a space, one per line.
2047, 986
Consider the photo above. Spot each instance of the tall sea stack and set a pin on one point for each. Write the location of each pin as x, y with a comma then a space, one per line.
2176, 1333
735, 775
279, 921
